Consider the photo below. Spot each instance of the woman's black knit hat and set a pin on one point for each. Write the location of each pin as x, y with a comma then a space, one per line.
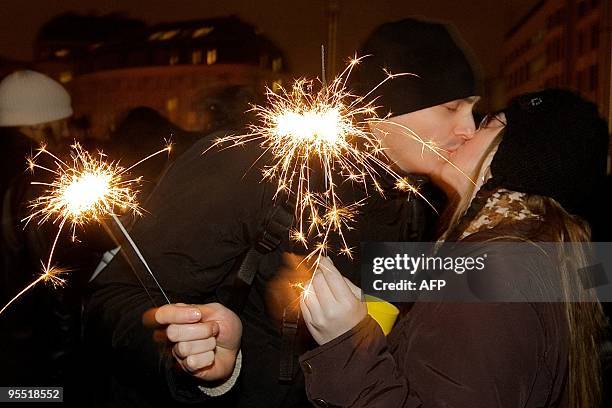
555, 144
429, 50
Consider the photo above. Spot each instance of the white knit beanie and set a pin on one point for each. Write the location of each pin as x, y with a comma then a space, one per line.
29, 98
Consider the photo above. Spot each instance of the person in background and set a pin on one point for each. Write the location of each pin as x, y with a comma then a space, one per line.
41, 333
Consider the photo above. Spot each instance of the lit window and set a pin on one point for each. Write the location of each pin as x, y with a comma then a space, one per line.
196, 56
276, 85
201, 32
65, 77
211, 56
539, 36
174, 59
168, 35
537, 65
277, 64
171, 104
155, 36
62, 53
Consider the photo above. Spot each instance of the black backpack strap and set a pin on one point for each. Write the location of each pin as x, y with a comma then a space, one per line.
241, 286
274, 229
289, 335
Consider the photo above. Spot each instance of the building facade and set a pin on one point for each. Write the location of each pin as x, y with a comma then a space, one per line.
174, 68
561, 43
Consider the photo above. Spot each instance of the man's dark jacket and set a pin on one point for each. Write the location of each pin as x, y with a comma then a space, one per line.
203, 215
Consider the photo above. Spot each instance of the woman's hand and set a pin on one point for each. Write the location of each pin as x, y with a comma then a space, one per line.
332, 305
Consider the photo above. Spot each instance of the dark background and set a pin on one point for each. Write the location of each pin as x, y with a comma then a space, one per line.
298, 27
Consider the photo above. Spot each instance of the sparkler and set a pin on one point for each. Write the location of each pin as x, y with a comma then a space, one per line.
301, 126
89, 190
51, 275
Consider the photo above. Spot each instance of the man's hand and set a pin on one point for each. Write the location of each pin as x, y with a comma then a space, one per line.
333, 305
206, 338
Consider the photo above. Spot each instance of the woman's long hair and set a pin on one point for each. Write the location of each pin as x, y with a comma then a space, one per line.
583, 313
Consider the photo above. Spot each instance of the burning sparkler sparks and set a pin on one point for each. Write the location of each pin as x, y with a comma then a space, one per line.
304, 126
89, 189
303, 288
51, 275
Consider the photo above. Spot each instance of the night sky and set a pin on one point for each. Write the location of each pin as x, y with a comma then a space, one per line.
298, 27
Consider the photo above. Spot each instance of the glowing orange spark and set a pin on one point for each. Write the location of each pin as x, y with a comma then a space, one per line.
304, 289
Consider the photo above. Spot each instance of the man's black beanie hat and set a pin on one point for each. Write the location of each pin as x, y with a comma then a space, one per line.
426, 49
554, 144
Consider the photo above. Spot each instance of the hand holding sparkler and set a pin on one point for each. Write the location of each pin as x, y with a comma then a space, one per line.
205, 338
331, 305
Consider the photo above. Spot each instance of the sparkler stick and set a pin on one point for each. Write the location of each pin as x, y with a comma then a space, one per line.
139, 255
324, 81
89, 190
323, 65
